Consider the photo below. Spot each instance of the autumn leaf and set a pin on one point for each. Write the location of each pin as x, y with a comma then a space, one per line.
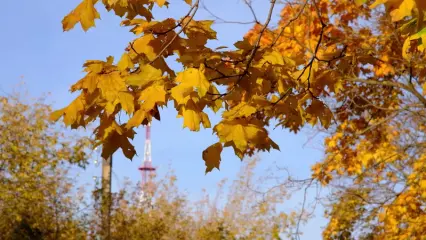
145, 45
199, 31
422, 35
152, 95
243, 109
125, 62
136, 119
146, 75
317, 109
404, 10
126, 101
193, 116
193, 77
240, 133
211, 156
85, 13
73, 112
360, 2
55, 115
110, 85
160, 2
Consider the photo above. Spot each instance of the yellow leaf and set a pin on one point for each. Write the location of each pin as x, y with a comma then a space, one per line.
189, 2
136, 119
94, 66
338, 86
181, 92
360, 2
243, 109
205, 120
405, 47
403, 11
54, 116
191, 119
421, 34
110, 85
273, 58
125, 62
110, 106
239, 132
195, 78
217, 104
422, 184
243, 45
153, 95
72, 112
424, 88
211, 156
147, 75
85, 13
144, 45
160, 2
89, 82
126, 100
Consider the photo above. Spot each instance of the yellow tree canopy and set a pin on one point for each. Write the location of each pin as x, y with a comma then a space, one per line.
320, 50
354, 67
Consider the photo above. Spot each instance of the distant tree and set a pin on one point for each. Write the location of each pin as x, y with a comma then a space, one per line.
243, 214
36, 192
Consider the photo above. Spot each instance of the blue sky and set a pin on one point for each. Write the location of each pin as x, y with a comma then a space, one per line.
34, 46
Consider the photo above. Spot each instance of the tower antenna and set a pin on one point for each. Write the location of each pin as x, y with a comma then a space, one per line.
147, 170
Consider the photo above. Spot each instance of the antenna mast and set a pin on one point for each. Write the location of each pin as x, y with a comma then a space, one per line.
147, 170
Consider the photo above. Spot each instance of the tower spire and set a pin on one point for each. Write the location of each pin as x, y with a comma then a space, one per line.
147, 170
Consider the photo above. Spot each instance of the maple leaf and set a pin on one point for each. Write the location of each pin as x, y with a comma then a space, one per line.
404, 10
190, 78
89, 82
161, 2
138, 117
126, 101
215, 104
108, 127
422, 35
240, 133
152, 95
318, 110
199, 31
85, 13
72, 113
111, 85
125, 62
211, 156
193, 116
147, 74
243, 109
146, 45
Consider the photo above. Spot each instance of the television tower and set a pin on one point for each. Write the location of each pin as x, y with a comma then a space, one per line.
147, 170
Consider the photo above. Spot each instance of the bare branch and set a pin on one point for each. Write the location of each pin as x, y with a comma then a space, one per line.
248, 3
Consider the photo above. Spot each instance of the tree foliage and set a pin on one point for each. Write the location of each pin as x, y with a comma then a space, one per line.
373, 52
40, 200
170, 214
354, 67
36, 193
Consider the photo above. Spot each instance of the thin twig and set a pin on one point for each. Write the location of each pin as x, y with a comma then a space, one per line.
193, 9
